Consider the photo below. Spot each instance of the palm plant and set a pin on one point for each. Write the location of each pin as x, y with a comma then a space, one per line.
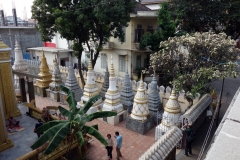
55, 131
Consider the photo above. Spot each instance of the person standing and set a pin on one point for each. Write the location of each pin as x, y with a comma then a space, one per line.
109, 146
118, 144
188, 143
38, 125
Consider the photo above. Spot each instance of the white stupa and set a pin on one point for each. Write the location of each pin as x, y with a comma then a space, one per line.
140, 109
19, 65
90, 90
171, 115
112, 99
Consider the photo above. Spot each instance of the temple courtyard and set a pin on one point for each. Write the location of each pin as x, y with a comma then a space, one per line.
134, 144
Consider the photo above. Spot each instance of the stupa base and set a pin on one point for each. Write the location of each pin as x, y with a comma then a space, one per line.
53, 95
92, 109
121, 116
63, 97
140, 127
40, 91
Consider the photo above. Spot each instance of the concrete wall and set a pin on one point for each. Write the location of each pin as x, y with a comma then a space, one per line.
51, 56
27, 37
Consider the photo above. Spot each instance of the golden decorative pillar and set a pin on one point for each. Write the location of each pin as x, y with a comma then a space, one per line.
42, 84
8, 105
7, 92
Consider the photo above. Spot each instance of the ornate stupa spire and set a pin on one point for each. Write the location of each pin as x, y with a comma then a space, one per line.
105, 83
140, 109
56, 76
71, 82
126, 93
153, 97
171, 114
90, 90
44, 73
112, 101
19, 64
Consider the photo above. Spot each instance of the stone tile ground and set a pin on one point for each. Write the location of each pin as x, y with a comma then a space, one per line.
134, 144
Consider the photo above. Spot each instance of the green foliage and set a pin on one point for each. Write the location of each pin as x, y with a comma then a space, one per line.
82, 21
199, 16
193, 61
56, 131
167, 28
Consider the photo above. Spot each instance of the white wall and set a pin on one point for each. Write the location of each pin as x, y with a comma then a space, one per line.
115, 55
60, 42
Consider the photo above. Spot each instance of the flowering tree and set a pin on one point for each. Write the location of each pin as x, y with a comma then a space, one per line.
192, 61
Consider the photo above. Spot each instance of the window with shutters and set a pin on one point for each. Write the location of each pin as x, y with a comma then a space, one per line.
122, 63
138, 33
103, 60
138, 62
150, 29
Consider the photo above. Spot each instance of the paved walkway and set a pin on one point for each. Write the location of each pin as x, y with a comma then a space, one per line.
134, 144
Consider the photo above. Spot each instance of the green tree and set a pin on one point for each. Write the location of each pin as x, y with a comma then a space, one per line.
193, 61
217, 15
55, 131
83, 21
167, 28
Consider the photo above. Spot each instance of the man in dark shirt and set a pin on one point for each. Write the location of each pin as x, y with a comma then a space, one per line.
38, 125
188, 144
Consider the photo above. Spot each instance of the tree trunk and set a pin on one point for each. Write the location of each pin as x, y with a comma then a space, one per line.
97, 53
80, 68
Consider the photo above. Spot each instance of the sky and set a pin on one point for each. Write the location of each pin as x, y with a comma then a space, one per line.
19, 4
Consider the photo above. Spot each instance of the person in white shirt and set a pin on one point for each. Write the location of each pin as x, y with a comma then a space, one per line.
109, 146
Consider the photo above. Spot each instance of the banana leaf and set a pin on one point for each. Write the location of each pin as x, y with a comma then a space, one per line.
102, 114
70, 99
92, 131
64, 89
80, 138
58, 138
47, 135
48, 125
95, 126
65, 112
89, 104
72, 103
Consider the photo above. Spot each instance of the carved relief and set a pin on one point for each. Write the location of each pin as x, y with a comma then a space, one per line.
4, 56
